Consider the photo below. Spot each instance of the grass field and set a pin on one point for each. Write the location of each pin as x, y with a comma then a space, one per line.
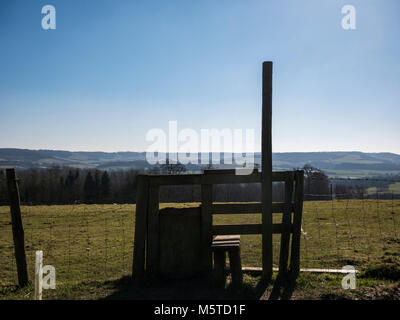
91, 248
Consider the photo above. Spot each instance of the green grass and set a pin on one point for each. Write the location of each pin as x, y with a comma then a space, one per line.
91, 248
358, 173
394, 187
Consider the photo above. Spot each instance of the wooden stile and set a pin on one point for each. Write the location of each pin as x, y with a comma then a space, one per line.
147, 254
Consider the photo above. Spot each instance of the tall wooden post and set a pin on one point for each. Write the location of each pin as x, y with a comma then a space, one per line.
266, 174
17, 227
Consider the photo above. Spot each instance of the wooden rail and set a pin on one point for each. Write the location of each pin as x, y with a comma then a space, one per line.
210, 177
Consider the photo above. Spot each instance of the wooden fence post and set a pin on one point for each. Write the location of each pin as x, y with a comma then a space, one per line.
206, 224
297, 216
139, 247
17, 227
266, 174
286, 226
153, 232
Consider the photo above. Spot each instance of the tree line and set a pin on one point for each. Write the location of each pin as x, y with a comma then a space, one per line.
64, 185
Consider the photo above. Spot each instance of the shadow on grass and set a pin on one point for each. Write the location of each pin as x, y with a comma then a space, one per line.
283, 287
198, 288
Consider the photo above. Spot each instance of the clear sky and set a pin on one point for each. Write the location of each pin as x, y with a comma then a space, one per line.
113, 70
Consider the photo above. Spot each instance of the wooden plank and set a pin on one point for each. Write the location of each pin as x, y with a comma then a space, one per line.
245, 229
235, 237
153, 232
281, 176
236, 267
244, 208
17, 227
225, 246
286, 223
219, 171
139, 247
219, 267
211, 177
266, 174
181, 179
297, 216
206, 224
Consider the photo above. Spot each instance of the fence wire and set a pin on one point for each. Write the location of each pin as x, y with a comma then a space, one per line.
95, 242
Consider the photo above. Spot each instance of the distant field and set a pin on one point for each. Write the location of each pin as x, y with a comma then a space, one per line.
89, 243
395, 187
361, 173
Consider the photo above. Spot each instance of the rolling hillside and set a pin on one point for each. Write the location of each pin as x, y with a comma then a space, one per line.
333, 163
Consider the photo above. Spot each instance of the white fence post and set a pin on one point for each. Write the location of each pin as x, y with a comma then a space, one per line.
38, 275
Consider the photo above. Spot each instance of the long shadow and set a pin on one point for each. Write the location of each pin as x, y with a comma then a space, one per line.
198, 288
283, 287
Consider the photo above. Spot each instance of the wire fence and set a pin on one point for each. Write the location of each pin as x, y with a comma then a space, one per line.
95, 242
83, 242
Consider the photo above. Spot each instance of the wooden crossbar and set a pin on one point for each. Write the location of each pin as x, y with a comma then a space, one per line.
244, 208
210, 177
230, 229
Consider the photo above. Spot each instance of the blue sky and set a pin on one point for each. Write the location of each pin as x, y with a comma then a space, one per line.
113, 70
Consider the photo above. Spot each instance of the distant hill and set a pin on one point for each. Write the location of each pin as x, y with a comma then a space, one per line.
333, 163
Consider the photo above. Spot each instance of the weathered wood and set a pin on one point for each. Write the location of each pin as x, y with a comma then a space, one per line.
180, 242
236, 267
219, 266
153, 233
286, 223
281, 176
211, 177
245, 229
139, 248
206, 224
231, 178
235, 237
181, 179
231, 244
246, 208
266, 174
17, 227
297, 216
